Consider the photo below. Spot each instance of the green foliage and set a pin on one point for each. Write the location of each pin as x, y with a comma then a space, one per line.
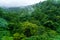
37, 22
18, 36
29, 29
3, 22
4, 33
7, 38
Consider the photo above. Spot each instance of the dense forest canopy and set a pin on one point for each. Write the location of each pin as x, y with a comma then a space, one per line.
36, 22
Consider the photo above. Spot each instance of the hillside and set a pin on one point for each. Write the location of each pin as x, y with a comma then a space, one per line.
36, 22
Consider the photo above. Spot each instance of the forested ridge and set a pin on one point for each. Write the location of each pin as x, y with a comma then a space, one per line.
36, 22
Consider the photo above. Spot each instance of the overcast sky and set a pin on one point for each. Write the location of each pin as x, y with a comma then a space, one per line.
16, 3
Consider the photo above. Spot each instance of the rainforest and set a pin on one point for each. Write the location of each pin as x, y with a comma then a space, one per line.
34, 22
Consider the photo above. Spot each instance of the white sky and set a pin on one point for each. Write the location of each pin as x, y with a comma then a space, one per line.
16, 3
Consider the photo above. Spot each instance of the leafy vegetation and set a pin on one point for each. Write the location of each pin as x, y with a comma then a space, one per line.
36, 22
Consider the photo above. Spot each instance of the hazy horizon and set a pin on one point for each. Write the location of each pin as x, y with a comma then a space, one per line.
15, 3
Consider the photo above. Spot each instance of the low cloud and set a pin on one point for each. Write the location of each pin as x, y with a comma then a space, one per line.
16, 3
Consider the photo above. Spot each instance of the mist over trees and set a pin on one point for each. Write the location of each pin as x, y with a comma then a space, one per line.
36, 22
